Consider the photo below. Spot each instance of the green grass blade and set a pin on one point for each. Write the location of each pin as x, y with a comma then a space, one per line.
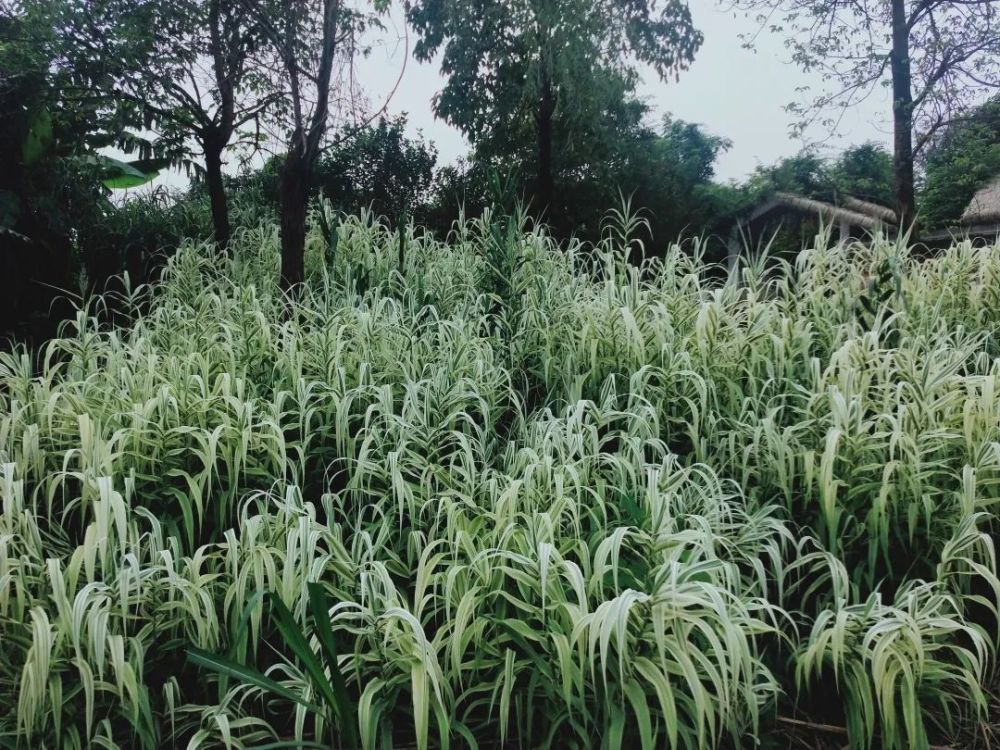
319, 605
224, 666
295, 640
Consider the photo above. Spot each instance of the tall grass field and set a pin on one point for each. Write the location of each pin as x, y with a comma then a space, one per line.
497, 492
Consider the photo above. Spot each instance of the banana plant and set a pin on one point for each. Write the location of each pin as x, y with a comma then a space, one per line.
121, 175
114, 174
40, 143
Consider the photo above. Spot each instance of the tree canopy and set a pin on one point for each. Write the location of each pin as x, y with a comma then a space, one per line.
182, 70
549, 74
961, 160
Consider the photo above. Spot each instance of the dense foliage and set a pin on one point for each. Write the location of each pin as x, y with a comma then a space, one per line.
542, 86
665, 170
863, 171
376, 168
487, 490
962, 160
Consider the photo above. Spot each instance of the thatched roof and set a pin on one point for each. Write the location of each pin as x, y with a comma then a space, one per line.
826, 211
872, 209
984, 208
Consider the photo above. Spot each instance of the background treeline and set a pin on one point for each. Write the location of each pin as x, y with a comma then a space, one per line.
199, 85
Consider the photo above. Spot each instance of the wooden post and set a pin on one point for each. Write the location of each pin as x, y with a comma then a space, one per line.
733, 248
845, 230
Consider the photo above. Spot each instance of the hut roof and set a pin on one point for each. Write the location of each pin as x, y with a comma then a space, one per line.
984, 208
826, 211
872, 209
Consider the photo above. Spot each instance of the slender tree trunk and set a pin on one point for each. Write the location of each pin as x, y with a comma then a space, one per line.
545, 185
902, 112
217, 196
294, 204
303, 150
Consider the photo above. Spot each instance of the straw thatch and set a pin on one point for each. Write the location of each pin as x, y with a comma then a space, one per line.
826, 211
871, 209
984, 208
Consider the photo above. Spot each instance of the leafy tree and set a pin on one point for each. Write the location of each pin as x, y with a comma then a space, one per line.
961, 160
677, 185
546, 72
380, 168
465, 187
864, 171
374, 166
805, 174
937, 56
183, 68
667, 172
597, 164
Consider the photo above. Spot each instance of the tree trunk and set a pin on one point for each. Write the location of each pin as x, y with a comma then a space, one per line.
294, 204
545, 185
902, 112
217, 196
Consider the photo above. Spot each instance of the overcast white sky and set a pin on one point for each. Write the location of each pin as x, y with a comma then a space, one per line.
733, 92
